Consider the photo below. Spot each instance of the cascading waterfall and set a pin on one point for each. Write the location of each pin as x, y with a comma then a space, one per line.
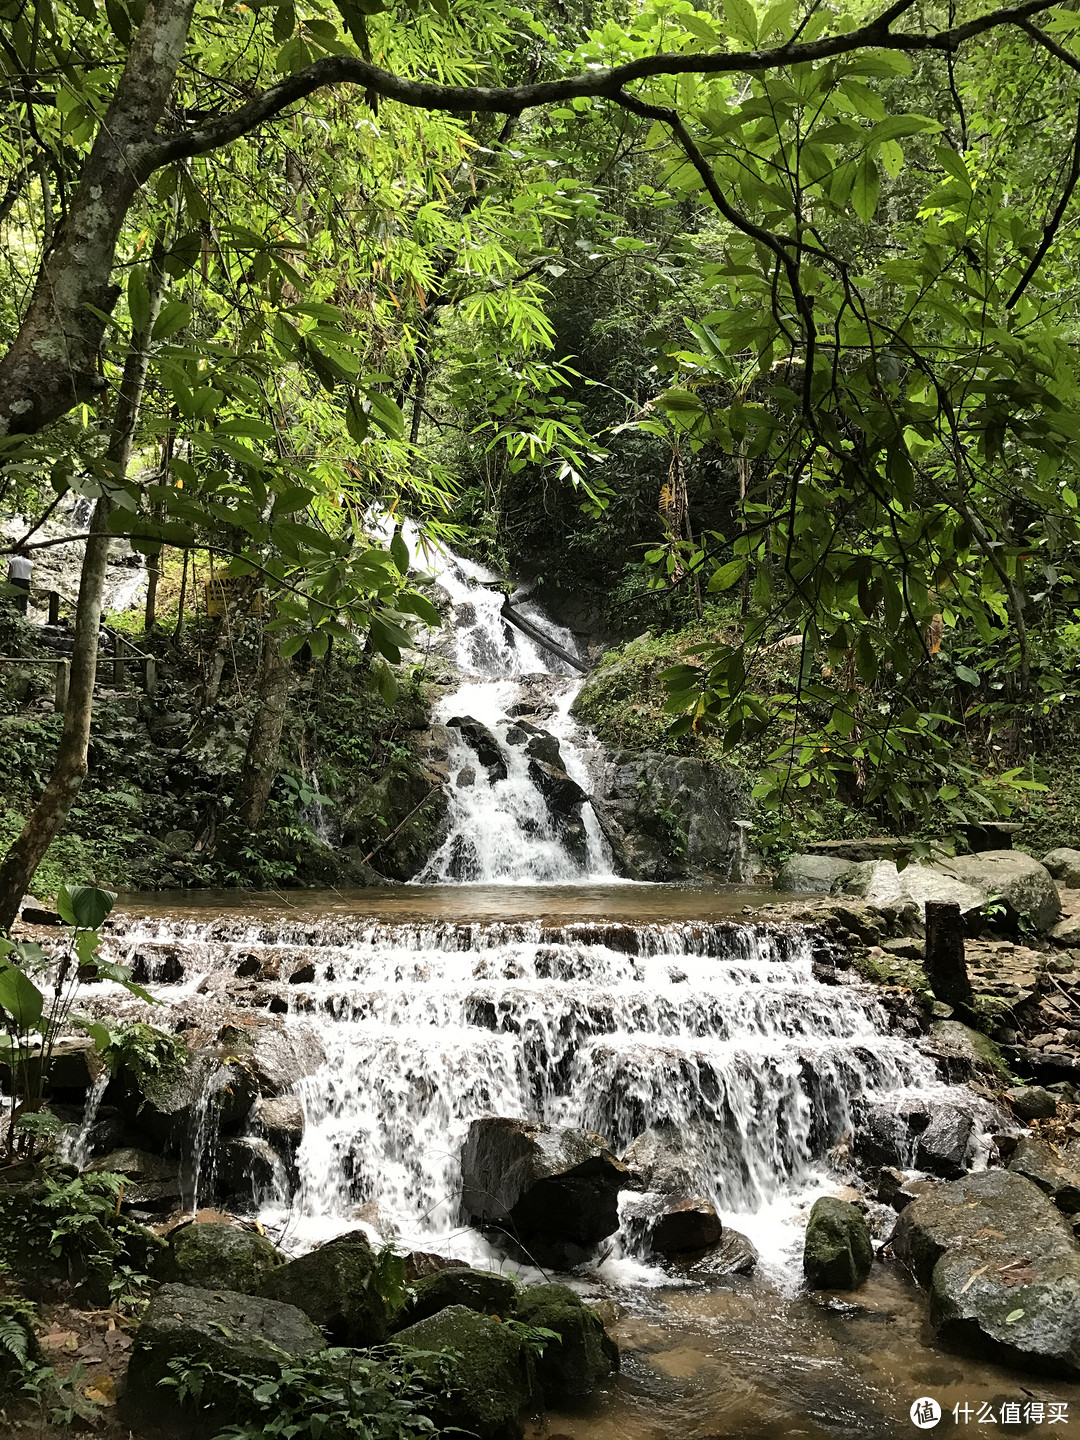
718, 1029
502, 826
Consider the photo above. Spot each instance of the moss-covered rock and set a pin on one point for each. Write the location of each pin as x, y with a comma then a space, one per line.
584, 1355
215, 1334
479, 1290
837, 1254
403, 812
478, 1372
337, 1287
219, 1257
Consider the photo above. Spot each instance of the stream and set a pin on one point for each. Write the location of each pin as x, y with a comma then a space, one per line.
519, 976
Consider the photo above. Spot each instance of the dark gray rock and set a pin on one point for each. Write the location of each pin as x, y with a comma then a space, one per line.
942, 1148
1055, 1171
659, 1160
562, 794
1032, 1102
553, 1190
281, 1120
1003, 1271
151, 1182
486, 1385
479, 1290
1064, 866
220, 1329
248, 1168
733, 1254
335, 1286
837, 1253
684, 1225
483, 743
812, 874
583, 1357
219, 1257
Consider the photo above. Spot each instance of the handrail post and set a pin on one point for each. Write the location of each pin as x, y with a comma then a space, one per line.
118, 665
63, 675
54, 607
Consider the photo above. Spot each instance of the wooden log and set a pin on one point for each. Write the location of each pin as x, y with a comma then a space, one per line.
946, 968
535, 633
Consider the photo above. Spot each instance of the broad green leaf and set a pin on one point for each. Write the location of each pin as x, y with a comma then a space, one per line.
20, 997
84, 905
865, 188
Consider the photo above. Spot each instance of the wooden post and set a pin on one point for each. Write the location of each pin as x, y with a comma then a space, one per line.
63, 671
150, 676
946, 968
118, 665
54, 607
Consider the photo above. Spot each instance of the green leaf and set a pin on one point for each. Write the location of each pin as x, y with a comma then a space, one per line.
865, 189
174, 316
399, 552
20, 997
84, 905
741, 20
1014, 1315
138, 298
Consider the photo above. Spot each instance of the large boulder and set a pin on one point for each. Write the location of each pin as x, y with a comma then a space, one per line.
552, 1189
481, 1290
478, 1372
584, 1355
1003, 1270
659, 1160
335, 1285
219, 1257
837, 1253
276, 1056
221, 1331
1032, 1102
733, 1254
1055, 1171
1064, 866
969, 881
483, 743
812, 874
403, 812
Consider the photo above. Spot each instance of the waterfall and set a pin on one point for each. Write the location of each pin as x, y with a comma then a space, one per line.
503, 826
719, 1029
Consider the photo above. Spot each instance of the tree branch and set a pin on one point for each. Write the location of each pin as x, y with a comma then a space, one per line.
513, 99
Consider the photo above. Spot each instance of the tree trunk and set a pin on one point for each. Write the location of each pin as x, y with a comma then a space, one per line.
52, 364
47, 818
261, 760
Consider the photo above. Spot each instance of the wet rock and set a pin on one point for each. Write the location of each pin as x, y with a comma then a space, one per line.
889, 1183
481, 1290
583, 1357
886, 1134
911, 1190
335, 1286
961, 1052
812, 874
553, 1190
542, 746
483, 743
1055, 1171
432, 749
1003, 1271
942, 1148
421, 1263
277, 1056
837, 1254
248, 1169
485, 1386
1064, 866
685, 1225
222, 1330
1032, 1102
281, 1120
658, 1160
399, 818
562, 794
218, 1257
733, 1254
151, 1182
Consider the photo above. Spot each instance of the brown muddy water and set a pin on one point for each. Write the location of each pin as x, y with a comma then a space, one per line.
753, 1359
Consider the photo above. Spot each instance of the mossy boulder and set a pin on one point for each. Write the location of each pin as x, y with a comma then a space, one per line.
837, 1254
219, 1257
584, 1355
218, 1333
403, 812
478, 1372
479, 1290
337, 1287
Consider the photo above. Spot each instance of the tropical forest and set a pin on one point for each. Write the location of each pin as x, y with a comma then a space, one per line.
539, 719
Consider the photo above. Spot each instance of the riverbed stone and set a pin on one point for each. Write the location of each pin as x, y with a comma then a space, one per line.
221, 1330
1032, 1102
733, 1254
224, 1257
1064, 865
1003, 1270
837, 1254
335, 1285
488, 1382
481, 1290
281, 1119
554, 1190
684, 1225
1056, 1171
583, 1357
484, 744
812, 874
659, 1160
942, 1148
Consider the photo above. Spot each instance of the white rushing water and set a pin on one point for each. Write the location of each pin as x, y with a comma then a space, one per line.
502, 829
719, 1030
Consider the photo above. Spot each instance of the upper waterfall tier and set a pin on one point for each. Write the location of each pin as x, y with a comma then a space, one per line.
519, 774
